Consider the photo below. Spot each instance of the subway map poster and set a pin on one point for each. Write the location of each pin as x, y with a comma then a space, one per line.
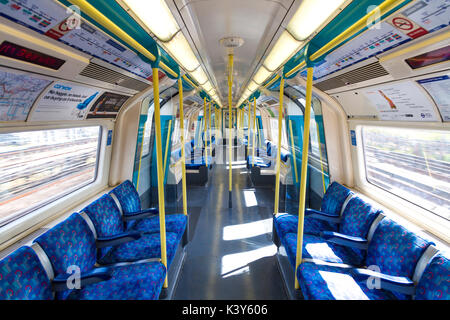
17, 94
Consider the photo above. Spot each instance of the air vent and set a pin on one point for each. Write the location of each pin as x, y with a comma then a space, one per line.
368, 72
98, 72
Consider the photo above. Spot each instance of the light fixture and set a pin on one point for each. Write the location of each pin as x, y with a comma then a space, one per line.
207, 86
199, 75
285, 46
261, 75
181, 50
156, 15
253, 85
310, 16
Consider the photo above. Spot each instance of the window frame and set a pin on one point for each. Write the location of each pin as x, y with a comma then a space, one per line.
391, 203
43, 204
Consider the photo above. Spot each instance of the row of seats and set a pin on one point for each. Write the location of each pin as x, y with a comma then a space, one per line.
109, 250
266, 162
195, 160
351, 250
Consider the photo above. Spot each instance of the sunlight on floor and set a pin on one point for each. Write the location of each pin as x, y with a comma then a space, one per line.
234, 262
250, 198
247, 230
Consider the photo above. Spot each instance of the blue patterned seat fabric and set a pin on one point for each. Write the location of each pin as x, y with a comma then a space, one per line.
146, 247
435, 281
258, 162
130, 202
71, 242
22, 277
334, 198
393, 250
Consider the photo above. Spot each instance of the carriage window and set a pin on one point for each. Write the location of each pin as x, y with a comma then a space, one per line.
412, 164
37, 167
274, 129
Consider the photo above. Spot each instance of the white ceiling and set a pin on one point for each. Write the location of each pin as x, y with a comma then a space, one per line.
207, 21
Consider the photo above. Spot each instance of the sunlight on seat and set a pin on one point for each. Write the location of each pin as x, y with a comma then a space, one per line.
250, 198
343, 286
320, 250
247, 230
240, 166
235, 261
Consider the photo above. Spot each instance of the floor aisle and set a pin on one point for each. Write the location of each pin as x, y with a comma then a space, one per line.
231, 255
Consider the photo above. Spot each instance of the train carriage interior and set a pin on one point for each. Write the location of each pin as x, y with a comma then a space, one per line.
225, 150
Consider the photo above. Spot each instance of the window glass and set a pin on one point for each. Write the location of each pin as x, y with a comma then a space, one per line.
274, 129
412, 164
37, 167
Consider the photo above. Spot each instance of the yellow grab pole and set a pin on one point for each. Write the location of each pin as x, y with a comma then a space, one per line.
293, 150
162, 213
301, 208
167, 145
183, 151
253, 131
277, 163
230, 126
204, 132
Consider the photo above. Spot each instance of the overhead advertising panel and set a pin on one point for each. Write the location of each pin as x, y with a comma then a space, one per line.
402, 101
64, 101
17, 94
439, 90
56, 21
107, 106
416, 20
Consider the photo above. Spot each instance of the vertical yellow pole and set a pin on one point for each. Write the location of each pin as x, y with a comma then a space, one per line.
293, 150
277, 163
159, 165
230, 126
205, 138
301, 208
183, 151
253, 131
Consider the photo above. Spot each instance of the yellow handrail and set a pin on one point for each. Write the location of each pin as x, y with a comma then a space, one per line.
183, 151
209, 131
302, 196
101, 19
253, 131
277, 163
204, 136
230, 122
162, 213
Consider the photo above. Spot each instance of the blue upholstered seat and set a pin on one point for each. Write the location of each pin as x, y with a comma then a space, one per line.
394, 251
131, 203
198, 162
435, 281
107, 221
258, 162
22, 277
72, 243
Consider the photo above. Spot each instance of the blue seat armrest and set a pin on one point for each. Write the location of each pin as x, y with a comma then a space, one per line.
384, 281
61, 282
316, 214
117, 239
345, 240
140, 214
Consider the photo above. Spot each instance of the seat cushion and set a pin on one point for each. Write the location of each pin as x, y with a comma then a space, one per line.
22, 277
128, 197
105, 216
288, 223
146, 247
357, 218
435, 281
175, 223
315, 247
334, 198
325, 282
258, 162
140, 281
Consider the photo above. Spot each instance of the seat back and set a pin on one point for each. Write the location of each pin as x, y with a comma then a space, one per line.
128, 197
357, 217
435, 281
334, 198
105, 216
69, 243
22, 277
395, 250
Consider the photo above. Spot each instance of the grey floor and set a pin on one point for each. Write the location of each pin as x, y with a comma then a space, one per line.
231, 254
